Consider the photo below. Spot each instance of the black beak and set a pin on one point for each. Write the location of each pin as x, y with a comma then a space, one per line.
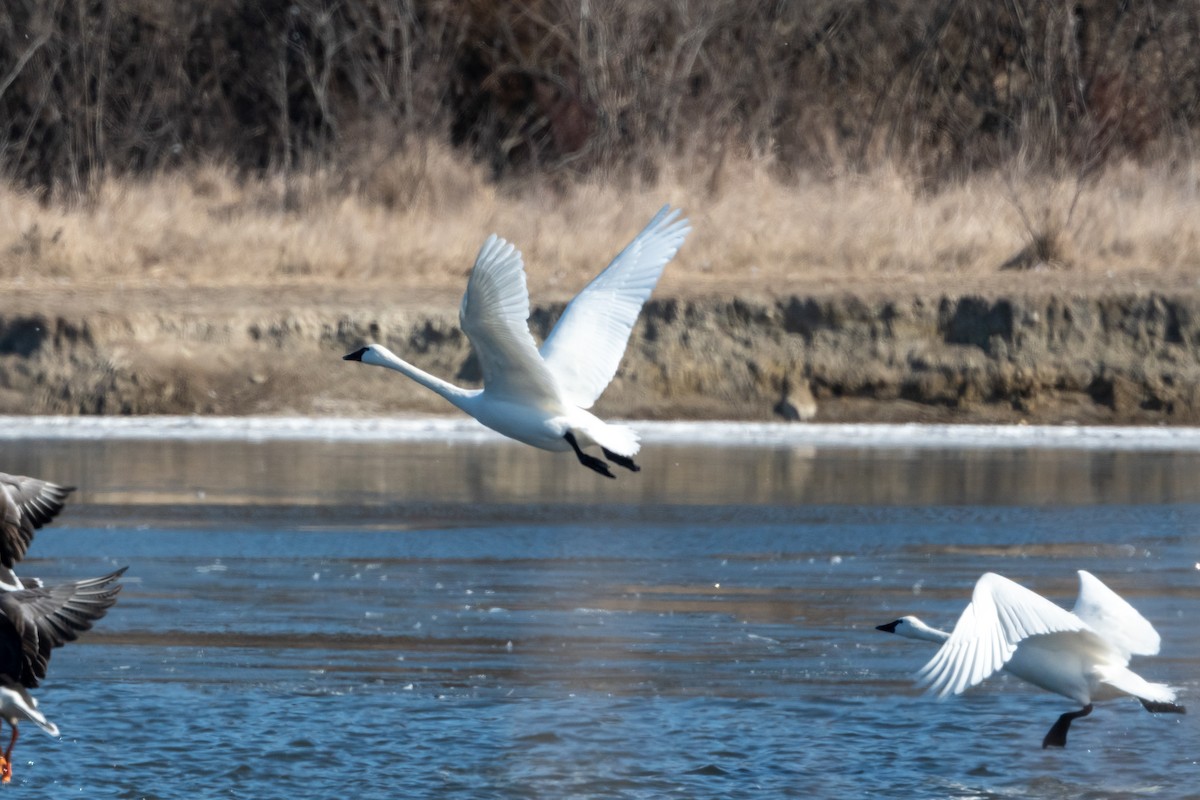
355, 356
888, 628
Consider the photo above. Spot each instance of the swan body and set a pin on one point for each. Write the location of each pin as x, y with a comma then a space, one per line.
1082, 654
541, 396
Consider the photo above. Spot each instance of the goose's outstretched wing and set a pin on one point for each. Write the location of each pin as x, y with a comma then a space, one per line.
1000, 615
585, 347
494, 314
1110, 616
35, 621
26, 504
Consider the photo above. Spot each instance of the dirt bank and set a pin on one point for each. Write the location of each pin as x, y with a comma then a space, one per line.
1129, 356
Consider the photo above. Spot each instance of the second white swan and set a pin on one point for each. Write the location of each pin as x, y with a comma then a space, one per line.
1082, 654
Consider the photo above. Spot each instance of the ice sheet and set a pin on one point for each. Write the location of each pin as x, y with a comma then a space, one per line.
457, 429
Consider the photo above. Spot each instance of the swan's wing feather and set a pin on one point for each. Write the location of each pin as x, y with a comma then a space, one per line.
494, 314
1001, 614
585, 347
1111, 616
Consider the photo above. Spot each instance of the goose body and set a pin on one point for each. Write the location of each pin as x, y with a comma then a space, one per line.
541, 396
1082, 654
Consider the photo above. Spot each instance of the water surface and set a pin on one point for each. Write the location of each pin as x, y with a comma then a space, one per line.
481, 620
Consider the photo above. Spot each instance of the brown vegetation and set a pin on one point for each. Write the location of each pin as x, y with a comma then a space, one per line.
920, 209
244, 142
562, 87
874, 232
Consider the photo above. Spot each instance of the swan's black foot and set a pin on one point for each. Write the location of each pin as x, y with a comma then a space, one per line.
1057, 737
621, 461
1162, 708
591, 462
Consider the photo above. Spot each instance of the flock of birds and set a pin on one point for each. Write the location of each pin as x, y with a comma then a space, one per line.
541, 396
35, 618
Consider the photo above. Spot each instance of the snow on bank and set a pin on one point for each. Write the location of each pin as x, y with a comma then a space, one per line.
462, 430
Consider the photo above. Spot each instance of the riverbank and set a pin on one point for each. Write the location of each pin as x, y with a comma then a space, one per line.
1003, 298
1039, 352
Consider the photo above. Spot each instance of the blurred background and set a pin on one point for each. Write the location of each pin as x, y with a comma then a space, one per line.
561, 90
906, 210
1010, 134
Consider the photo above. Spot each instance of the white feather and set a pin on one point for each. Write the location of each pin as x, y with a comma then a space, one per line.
1000, 615
1109, 615
585, 347
494, 314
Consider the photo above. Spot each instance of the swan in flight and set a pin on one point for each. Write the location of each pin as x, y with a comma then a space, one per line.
541, 397
32, 623
1081, 654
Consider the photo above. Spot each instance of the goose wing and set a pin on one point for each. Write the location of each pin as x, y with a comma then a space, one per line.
1110, 616
35, 621
585, 347
1001, 614
494, 314
26, 504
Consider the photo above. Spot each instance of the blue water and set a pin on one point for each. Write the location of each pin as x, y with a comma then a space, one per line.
316, 620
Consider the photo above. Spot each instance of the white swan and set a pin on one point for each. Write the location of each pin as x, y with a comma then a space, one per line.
541, 397
1080, 654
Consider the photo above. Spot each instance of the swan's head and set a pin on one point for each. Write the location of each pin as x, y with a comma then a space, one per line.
908, 627
371, 354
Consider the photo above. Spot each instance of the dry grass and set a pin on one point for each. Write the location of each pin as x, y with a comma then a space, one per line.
414, 222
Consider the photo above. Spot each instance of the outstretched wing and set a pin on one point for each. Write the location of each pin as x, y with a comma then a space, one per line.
35, 621
1110, 616
494, 314
1000, 615
26, 504
585, 347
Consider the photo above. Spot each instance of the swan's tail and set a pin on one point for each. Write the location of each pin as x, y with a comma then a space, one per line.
1131, 683
620, 439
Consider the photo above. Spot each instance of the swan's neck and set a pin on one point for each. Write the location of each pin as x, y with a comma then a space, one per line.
916, 629
382, 357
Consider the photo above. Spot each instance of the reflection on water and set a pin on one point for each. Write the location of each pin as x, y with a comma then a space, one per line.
429, 472
320, 619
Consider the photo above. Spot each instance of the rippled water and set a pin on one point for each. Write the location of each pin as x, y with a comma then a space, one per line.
324, 619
